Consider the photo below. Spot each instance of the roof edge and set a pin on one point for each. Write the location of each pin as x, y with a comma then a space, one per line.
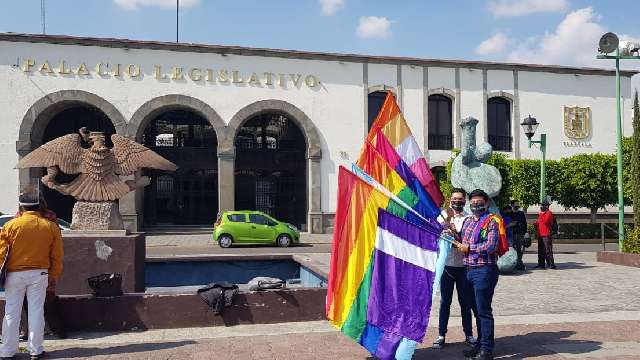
296, 54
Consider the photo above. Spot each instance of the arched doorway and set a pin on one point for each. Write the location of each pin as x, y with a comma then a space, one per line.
271, 167
188, 196
68, 121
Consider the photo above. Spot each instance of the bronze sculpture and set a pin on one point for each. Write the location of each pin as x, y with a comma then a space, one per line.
99, 184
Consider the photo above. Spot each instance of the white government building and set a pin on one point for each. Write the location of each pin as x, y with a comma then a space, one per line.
266, 129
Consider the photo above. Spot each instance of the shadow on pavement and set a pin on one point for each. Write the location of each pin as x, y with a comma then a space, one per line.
85, 352
572, 265
523, 346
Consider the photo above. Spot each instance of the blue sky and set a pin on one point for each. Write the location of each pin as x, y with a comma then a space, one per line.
534, 31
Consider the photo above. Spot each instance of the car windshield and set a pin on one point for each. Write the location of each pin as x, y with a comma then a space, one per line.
64, 224
4, 220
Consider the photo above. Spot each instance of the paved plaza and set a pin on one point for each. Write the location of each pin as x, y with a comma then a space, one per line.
583, 310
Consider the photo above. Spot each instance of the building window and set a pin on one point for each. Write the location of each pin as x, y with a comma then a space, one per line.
499, 121
440, 123
375, 102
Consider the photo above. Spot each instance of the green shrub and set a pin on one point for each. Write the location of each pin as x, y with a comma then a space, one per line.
632, 240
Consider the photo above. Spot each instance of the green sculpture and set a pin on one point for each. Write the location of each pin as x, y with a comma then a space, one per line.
470, 170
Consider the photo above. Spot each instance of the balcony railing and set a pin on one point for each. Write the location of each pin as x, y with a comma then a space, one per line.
440, 142
501, 143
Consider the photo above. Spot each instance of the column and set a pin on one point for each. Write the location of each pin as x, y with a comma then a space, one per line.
226, 180
315, 222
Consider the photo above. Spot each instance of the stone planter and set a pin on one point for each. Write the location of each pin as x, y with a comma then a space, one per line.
619, 258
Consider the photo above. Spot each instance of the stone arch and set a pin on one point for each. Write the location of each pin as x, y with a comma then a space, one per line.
316, 221
39, 116
443, 91
155, 106
384, 88
502, 94
46, 108
132, 205
312, 138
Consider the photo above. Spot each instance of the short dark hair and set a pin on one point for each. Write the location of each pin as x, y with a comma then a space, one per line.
514, 201
30, 207
459, 190
478, 192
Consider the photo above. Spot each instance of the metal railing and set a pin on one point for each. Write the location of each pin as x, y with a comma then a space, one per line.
604, 226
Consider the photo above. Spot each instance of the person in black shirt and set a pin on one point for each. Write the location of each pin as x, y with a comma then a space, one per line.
519, 231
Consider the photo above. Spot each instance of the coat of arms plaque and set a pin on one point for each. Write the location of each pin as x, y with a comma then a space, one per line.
577, 122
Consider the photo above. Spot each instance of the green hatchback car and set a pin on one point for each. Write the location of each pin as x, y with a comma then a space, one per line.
253, 227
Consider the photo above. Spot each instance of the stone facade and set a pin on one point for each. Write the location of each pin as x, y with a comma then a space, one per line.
326, 95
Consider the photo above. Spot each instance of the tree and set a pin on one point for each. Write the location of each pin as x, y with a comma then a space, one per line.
500, 161
586, 180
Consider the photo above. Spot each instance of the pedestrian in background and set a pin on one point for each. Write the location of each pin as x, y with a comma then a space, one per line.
544, 226
34, 248
520, 219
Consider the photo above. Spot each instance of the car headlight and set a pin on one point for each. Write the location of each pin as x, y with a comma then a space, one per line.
293, 228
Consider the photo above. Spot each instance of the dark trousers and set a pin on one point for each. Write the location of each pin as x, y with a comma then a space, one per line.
545, 251
455, 276
518, 245
483, 280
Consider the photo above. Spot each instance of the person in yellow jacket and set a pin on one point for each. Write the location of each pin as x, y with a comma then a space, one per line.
35, 264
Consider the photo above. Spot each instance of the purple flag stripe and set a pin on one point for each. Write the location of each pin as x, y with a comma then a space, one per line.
400, 297
407, 231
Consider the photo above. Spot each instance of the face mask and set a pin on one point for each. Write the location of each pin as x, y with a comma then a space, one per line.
544, 208
478, 209
457, 205
515, 208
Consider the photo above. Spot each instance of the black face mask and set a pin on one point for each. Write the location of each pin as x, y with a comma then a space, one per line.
457, 205
544, 208
478, 209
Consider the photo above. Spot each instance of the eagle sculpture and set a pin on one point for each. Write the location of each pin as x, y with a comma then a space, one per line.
99, 168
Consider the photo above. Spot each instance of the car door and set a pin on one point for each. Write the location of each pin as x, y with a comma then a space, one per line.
238, 227
262, 229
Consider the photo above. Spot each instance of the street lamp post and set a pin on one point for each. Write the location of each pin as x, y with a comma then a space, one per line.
530, 125
608, 43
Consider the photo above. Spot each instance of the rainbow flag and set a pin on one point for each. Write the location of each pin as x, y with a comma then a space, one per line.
392, 124
375, 165
381, 271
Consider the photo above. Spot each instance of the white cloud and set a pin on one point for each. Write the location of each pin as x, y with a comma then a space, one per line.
574, 42
170, 4
526, 7
493, 45
330, 7
374, 27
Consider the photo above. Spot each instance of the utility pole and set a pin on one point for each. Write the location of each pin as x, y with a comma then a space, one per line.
177, 20
42, 17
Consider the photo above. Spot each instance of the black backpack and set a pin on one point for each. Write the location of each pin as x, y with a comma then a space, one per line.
218, 295
555, 227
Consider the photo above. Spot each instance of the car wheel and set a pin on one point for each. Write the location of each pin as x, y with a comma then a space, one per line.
225, 241
283, 240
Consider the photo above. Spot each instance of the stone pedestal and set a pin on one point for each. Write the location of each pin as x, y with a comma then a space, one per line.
90, 253
96, 216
